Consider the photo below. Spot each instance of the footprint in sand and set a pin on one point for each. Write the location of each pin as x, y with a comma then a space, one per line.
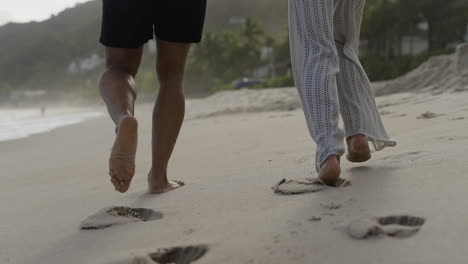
384, 113
453, 138
330, 206
406, 157
305, 158
428, 115
308, 185
179, 255
399, 115
117, 215
173, 255
280, 116
400, 226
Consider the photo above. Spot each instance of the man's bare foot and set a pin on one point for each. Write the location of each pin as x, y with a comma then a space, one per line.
330, 170
122, 158
162, 186
358, 148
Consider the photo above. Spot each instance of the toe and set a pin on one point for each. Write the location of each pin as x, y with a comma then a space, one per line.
121, 188
124, 188
180, 183
114, 181
117, 187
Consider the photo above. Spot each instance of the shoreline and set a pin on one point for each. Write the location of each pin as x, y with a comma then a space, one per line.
22, 123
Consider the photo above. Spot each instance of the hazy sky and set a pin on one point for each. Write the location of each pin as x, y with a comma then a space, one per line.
32, 10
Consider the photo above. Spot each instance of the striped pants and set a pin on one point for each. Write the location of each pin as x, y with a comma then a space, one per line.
324, 36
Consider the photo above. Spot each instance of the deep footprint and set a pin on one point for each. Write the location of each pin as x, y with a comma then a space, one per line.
172, 255
401, 226
179, 255
308, 185
116, 215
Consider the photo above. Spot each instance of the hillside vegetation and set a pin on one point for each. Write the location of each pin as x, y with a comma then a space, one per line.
62, 54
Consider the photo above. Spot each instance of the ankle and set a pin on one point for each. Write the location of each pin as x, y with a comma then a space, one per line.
331, 160
158, 176
360, 137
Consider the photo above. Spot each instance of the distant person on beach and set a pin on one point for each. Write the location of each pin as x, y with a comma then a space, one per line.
324, 38
126, 27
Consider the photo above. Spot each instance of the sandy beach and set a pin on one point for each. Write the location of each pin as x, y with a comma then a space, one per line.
230, 156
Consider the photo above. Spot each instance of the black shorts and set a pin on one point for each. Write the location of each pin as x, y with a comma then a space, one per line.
131, 23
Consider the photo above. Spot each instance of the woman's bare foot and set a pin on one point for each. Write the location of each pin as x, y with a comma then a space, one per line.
156, 186
122, 158
358, 148
330, 170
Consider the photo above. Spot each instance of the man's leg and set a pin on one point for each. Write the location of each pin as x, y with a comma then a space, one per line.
117, 88
168, 113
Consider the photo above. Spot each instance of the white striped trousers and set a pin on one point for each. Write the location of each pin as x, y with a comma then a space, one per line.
324, 36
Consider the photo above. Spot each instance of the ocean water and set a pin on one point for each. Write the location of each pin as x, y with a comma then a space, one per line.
16, 124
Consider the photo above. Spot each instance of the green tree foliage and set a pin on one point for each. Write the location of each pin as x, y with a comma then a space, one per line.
36, 55
387, 21
446, 19
225, 56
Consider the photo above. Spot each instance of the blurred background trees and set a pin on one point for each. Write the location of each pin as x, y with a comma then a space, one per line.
399, 35
243, 39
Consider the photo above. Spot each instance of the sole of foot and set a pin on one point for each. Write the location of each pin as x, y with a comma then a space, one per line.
122, 158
